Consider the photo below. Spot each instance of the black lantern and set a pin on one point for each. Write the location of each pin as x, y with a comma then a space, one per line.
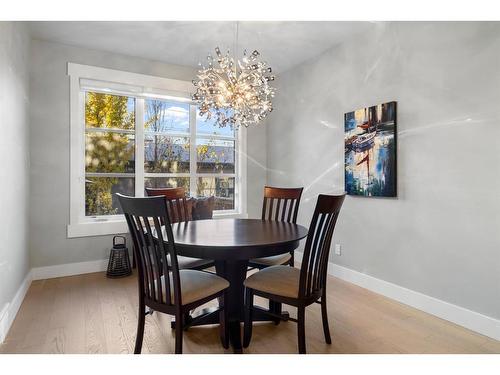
119, 261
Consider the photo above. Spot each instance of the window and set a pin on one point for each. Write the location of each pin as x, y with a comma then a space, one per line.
127, 136
215, 163
109, 151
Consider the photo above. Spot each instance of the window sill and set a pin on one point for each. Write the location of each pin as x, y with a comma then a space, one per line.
104, 228
230, 215
97, 228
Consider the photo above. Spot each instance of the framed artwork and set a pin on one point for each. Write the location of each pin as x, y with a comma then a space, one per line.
370, 151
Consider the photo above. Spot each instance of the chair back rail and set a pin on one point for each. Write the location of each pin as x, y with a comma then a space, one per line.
287, 204
176, 202
317, 249
144, 218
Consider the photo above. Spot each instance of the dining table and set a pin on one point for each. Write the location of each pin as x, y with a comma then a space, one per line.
231, 243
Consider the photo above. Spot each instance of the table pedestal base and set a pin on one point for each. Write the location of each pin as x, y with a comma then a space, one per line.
235, 272
210, 315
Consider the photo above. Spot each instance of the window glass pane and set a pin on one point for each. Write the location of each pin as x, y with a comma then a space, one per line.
204, 126
100, 196
109, 111
109, 152
163, 154
169, 182
214, 156
165, 116
220, 187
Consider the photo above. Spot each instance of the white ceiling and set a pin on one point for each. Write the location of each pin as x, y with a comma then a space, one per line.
282, 44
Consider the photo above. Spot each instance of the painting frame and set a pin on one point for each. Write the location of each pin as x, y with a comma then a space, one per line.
370, 151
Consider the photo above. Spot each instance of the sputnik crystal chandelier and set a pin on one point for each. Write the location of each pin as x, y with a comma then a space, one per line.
234, 92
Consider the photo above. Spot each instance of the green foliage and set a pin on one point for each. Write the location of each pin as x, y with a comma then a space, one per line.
108, 111
106, 152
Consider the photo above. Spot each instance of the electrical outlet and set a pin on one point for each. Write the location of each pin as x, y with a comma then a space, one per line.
338, 250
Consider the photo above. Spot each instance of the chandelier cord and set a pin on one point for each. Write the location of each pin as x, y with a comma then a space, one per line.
236, 49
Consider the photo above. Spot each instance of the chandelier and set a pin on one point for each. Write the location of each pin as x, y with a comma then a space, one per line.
234, 92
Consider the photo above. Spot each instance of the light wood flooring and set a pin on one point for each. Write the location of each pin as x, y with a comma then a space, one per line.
93, 314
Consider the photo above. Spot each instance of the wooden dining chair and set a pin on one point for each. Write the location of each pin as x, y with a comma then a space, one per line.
180, 210
163, 286
280, 204
299, 287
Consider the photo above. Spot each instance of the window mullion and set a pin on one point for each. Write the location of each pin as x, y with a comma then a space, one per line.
139, 147
192, 151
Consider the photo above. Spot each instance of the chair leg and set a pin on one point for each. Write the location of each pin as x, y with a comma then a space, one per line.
247, 330
275, 307
140, 328
187, 317
301, 329
179, 330
224, 322
292, 259
324, 315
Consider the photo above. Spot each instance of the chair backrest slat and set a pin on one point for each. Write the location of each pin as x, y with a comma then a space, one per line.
317, 249
176, 202
277, 211
290, 210
149, 225
148, 269
283, 210
165, 266
270, 211
157, 266
323, 267
287, 204
314, 254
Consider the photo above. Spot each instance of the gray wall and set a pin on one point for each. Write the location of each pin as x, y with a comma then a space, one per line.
14, 154
50, 149
441, 236
256, 168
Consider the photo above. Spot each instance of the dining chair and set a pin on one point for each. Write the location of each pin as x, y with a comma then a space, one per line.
299, 287
180, 210
279, 204
162, 285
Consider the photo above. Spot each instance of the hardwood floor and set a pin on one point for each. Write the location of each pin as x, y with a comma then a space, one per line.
93, 314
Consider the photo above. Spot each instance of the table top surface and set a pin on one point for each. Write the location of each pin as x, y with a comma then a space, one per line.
236, 233
236, 239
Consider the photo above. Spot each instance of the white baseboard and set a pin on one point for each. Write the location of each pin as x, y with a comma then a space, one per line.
9, 312
70, 269
469, 319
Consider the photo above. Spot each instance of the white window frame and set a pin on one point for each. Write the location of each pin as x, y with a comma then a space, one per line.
139, 86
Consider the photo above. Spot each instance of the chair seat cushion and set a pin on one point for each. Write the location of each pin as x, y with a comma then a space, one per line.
274, 260
190, 263
278, 280
196, 285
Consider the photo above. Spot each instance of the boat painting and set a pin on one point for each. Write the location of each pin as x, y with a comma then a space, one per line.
370, 151
364, 140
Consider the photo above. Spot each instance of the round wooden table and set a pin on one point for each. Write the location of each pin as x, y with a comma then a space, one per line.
232, 243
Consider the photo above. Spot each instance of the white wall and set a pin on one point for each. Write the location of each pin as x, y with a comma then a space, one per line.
441, 236
49, 199
14, 172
